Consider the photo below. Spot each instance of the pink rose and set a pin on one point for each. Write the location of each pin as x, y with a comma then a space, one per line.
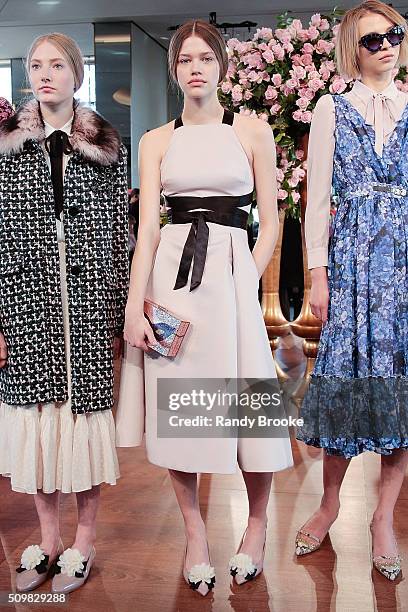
287, 90
325, 74
335, 29
277, 80
288, 47
315, 20
296, 59
324, 46
236, 93
263, 46
315, 84
264, 117
313, 32
264, 33
282, 194
295, 196
302, 103
247, 94
306, 59
278, 51
254, 77
303, 35
306, 117
299, 72
233, 43
337, 86
297, 115
324, 25
299, 154
268, 56
308, 48
308, 93
226, 87
292, 83
283, 35
271, 93
275, 108
280, 175
293, 181
254, 59
297, 25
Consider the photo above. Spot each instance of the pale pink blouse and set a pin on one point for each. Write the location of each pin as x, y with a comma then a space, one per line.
380, 110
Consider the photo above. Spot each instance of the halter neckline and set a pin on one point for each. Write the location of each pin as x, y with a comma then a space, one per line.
228, 118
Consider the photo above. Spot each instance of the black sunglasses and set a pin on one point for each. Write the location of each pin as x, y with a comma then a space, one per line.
374, 42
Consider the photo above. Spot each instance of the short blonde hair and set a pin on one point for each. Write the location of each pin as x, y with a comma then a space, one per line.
69, 50
348, 37
209, 34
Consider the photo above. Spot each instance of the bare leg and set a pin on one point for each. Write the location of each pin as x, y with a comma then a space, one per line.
334, 470
186, 490
87, 503
258, 485
47, 505
393, 468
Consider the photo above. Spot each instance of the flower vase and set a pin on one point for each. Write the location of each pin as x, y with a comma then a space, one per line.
306, 325
275, 322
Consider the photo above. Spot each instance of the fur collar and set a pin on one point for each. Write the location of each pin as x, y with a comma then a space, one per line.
91, 135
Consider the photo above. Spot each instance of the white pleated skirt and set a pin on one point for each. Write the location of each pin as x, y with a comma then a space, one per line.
47, 447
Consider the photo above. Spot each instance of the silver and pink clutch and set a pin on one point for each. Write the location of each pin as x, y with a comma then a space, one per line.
168, 329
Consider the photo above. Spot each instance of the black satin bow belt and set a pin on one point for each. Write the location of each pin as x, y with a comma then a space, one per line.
57, 144
223, 210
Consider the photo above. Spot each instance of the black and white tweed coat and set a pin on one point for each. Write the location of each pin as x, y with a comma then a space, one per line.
96, 233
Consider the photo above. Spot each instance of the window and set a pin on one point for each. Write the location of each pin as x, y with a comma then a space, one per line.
86, 93
5, 80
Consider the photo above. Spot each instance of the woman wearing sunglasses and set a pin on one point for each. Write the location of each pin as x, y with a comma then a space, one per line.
357, 399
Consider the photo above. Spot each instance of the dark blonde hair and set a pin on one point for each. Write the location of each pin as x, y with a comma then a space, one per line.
209, 34
348, 37
68, 48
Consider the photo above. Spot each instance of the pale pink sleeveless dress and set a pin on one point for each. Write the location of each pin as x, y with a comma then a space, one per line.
228, 336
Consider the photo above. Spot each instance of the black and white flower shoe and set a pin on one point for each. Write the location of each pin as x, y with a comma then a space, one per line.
72, 570
200, 578
241, 566
35, 567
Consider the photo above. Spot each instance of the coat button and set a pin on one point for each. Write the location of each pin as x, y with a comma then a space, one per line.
73, 211
75, 270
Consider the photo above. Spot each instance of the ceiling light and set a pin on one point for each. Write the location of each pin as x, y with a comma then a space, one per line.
112, 38
48, 2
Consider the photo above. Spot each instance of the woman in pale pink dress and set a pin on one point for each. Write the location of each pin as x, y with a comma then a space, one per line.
207, 160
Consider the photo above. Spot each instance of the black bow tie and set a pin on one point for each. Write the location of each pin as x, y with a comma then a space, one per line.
57, 144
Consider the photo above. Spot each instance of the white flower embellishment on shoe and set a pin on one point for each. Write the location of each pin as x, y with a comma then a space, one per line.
32, 556
71, 561
202, 573
242, 565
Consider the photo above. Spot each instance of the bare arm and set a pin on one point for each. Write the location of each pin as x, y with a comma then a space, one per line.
136, 325
264, 163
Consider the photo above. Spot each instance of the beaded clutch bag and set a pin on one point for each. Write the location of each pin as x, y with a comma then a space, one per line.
168, 329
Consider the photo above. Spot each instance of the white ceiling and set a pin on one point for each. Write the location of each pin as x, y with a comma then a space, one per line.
23, 20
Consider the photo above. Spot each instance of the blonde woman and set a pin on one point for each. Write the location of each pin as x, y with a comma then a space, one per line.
199, 266
357, 398
63, 287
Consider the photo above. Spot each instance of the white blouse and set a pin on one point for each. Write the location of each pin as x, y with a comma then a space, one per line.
49, 129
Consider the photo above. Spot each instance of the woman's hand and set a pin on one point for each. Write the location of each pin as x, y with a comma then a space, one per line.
319, 294
137, 329
3, 351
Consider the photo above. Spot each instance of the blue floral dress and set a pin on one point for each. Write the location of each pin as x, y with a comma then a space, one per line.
358, 394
